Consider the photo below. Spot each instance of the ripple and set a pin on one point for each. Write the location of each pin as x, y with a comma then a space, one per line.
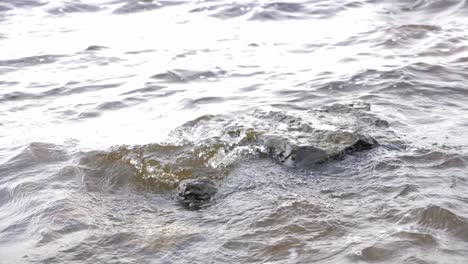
411, 80
434, 159
193, 103
66, 90
436, 6
407, 190
145, 5
183, 76
416, 260
89, 88
399, 244
149, 89
274, 11
16, 96
73, 7
95, 48
88, 114
418, 239
376, 254
134, 100
289, 10
35, 154
279, 11
4, 8
22, 4
407, 35
111, 105
437, 217
30, 61
226, 11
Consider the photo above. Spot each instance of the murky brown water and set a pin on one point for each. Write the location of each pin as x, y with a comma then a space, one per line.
334, 131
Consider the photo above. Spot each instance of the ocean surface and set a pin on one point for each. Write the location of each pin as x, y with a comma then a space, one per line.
333, 131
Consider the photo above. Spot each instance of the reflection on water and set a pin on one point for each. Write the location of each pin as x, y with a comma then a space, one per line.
333, 131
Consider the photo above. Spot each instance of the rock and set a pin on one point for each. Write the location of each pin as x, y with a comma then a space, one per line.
291, 154
363, 143
299, 155
194, 193
296, 138
309, 155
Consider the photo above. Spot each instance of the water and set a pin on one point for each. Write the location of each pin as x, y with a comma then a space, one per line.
107, 105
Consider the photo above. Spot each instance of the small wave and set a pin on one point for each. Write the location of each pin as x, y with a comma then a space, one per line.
16, 96
111, 105
417, 239
88, 114
399, 244
74, 7
406, 35
432, 80
436, 6
95, 48
294, 10
12, 4
193, 103
436, 217
433, 217
105, 172
148, 89
226, 11
99, 109
30, 61
4, 8
279, 11
36, 153
131, 6
182, 76
89, 88
434, 159
274, 11
154, 167
29, 186
66, 90
282, 227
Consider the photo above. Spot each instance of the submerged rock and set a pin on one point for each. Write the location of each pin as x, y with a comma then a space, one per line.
309, 155
362, 143
194, 193
291, 154
299, 137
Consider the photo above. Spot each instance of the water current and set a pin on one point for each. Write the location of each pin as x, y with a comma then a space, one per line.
333, 131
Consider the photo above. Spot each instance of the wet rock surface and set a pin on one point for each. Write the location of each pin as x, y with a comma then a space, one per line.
363, 143
195, 193
293, 138
309, 155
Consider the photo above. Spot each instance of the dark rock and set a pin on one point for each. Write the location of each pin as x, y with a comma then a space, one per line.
308, 155
194, 193
299, 156
363, 143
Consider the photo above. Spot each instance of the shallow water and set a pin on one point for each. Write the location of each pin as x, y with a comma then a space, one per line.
107, 105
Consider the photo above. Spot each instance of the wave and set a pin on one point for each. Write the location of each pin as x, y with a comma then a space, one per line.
74, 7
182, 76
130, 6
436, 6
275, 11
211, 146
